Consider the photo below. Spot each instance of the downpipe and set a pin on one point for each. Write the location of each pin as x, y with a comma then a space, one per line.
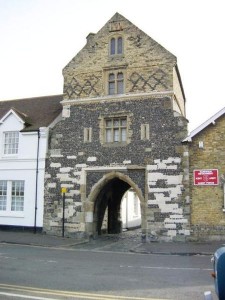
36, 188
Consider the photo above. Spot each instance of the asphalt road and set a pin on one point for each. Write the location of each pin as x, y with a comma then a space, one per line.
40, 273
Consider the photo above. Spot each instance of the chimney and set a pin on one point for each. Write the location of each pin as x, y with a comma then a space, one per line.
90, 37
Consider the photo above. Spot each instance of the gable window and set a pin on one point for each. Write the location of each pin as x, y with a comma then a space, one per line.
116, 46
119, 45
11, 142
116, 83
11, 195
116, 130
113, 46
112, 84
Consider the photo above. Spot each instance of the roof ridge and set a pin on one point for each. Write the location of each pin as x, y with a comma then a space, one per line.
201, 127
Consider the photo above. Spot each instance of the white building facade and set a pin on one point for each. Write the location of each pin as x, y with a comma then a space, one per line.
22, 166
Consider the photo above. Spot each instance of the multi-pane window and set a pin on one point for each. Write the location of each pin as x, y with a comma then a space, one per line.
116, 130
116, 83
11, 142
3, 194
112, 84
11, 195
17, 195
116, 46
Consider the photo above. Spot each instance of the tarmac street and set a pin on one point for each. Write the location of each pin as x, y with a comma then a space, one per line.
112, 267
106, 273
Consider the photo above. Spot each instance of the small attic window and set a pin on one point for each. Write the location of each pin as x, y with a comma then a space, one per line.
119, 45
116, 46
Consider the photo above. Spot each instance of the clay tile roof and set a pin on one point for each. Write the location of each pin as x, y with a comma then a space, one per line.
23, 116
35, 112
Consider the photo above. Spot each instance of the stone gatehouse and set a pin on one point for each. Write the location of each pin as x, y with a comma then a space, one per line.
123, 126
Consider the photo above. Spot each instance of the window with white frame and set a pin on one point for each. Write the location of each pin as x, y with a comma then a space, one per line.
12, 195
116, 46
116, 130
116, 83
11, 142
3, 194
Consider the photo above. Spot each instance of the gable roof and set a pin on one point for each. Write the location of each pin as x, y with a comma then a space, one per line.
211, 120
105, 30
35, 112
21, 116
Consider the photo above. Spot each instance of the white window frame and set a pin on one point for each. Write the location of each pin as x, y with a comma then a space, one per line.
15, 197
3, 195
10, 143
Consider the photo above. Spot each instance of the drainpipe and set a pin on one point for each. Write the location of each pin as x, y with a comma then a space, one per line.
224, 197
36, 188
222, 180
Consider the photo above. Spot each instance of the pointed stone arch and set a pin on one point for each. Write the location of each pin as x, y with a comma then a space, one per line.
95, 198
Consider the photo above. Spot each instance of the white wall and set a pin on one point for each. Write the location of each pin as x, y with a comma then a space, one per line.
178, 101
130, 218
22, 166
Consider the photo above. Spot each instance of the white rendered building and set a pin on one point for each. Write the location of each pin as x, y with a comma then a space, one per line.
24, 130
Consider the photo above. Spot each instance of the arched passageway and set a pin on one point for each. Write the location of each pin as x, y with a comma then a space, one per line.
109, 199
107, 203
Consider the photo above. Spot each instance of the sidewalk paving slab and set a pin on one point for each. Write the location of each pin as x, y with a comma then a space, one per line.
36, 239
115, 243
179, 248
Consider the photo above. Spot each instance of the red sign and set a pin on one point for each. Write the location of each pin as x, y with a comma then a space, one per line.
206, 177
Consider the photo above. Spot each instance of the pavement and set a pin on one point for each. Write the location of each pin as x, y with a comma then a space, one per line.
124, 242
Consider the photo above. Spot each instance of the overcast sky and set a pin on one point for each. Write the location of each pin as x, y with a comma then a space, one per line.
39, 37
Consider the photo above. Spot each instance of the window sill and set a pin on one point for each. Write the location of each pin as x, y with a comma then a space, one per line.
116, 55
11, 214
8, 156
112, 145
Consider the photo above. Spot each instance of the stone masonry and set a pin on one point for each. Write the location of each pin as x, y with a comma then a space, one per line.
148, 156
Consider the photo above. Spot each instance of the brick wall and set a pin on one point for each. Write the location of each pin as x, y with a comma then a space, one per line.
207, 216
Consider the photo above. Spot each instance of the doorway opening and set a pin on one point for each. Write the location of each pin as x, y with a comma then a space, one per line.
130, 210
116, 208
